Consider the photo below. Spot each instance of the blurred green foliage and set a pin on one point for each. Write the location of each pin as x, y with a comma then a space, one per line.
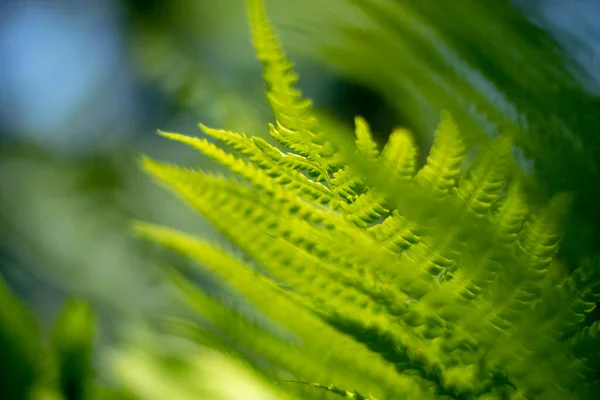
32, 370
19, 346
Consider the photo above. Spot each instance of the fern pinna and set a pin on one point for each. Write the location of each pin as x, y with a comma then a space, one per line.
387, 281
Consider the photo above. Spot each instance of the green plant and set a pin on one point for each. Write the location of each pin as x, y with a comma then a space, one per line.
378, 279
61, 370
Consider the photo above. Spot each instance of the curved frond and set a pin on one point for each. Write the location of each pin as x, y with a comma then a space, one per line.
373, 276
480, 186
365, 143
443, 167
399, 155
296, 124
335, 350
267, 173
335, 390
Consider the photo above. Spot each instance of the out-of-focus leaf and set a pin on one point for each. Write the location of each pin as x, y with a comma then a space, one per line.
19, 347
153, 371
72, 341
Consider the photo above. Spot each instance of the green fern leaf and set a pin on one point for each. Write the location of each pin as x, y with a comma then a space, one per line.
266, 159
399, 155
335, 390
338, 353
480, 186
373, 275
364, 139
296, 123
443, 166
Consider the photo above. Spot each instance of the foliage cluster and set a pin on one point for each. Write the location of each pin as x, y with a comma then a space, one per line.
381, 279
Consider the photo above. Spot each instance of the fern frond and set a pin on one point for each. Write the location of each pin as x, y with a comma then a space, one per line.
399, 155
333, 292
575, 297
534, 251
480, 186
396, 233
264, 157
401, 283
443, 166
586, 344
511, 214
521, 282
433, 256
273, 226
347, 185
335, 390
296, 124
364, 210
362, 207
399, 158
365, 143
300, 163
335, 350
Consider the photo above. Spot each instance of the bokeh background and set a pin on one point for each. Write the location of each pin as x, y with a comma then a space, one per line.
85, 84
